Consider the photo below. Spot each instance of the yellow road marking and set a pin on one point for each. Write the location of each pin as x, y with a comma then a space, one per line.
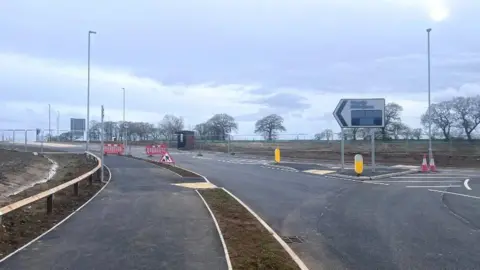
198, 185
320, 172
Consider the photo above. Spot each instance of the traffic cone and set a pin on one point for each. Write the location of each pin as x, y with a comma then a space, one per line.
424, 164
433, 168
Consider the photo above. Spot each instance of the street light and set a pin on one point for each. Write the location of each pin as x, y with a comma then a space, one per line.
430, 155
58, 123
88, 90
49, 127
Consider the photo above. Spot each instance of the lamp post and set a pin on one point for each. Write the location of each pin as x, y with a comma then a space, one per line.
88, 90
49, 127
430, 155
58, 123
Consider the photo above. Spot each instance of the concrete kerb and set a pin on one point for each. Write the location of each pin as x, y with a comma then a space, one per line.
63, 220
382, 176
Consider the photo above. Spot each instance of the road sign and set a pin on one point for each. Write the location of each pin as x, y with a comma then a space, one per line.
360, 113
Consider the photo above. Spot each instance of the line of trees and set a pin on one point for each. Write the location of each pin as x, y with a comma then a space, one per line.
454, 119
457, 118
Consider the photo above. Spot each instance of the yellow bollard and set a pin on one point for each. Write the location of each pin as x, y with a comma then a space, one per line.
358, 164
277, 155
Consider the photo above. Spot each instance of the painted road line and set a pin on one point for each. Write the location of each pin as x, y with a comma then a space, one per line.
453, 193
319, 172
466, 184
434, 186
427, 177
358, 181
417, 181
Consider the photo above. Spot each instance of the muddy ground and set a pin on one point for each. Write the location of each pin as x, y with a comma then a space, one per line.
23, 225
464, 155
20, 169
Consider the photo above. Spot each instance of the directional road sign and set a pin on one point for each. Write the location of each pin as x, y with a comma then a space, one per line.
360, 113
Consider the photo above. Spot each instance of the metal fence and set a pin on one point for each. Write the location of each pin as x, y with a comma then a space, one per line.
297, 144
303, 143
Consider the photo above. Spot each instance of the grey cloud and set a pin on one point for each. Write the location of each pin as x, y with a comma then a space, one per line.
283, 101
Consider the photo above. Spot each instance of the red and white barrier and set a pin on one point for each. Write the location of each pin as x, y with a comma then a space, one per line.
156, 149
114, 149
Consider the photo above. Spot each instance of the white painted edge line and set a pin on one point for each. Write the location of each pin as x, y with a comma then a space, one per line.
429, 177
453, 193
434, 186
62, 221
290, 252
466, 184
225, 249
417, 181
358, 181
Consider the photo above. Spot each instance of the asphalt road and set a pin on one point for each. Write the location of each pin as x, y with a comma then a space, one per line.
345, 224
139, 221
354, 225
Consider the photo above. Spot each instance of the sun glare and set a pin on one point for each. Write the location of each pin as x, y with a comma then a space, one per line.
439, 13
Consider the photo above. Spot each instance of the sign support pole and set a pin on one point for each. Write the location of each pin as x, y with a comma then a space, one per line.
342, 151
373, 150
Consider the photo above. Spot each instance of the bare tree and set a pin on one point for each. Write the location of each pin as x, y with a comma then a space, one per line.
398, 129
222, 124
417, 133
467, 111
443, 117
392, 115
169, 125
353, 133
327, 134
269, 126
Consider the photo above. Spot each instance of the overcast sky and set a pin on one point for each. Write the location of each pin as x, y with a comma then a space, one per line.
249, 58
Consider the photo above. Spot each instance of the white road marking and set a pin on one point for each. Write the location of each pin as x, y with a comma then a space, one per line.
453, 193
417, 181
433, 186
428, 177
466, 184
359, 181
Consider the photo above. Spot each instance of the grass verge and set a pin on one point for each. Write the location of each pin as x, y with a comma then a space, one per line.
175, 169
23, 225
249, 244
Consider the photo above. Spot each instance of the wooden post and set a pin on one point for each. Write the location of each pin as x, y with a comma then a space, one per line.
90, 179
49, 204
75, 189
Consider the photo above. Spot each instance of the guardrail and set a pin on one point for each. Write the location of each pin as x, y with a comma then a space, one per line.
49, 193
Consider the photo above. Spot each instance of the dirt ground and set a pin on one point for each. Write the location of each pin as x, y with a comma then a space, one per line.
19, 169
461, 154
249, 244
23, 225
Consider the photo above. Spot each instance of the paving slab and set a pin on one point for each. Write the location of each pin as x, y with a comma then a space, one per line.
140, 221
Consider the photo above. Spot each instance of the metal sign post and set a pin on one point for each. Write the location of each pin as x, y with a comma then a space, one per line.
373, 150
360, 113
342, 151
101, 144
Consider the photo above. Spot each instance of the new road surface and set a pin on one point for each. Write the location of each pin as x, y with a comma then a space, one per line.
139, 221
406, 222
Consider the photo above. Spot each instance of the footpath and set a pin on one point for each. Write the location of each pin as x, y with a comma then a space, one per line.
139, 221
